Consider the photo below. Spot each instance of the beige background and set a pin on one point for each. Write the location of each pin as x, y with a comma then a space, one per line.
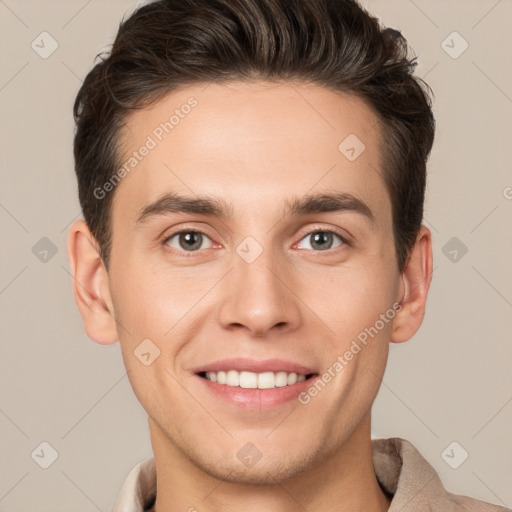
452, 382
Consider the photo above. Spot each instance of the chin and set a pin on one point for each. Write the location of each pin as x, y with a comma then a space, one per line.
262, 473
248, 465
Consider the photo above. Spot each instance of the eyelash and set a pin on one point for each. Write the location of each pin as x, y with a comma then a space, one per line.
189, 254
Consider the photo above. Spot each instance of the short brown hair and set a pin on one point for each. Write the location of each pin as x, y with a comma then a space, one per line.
333, 43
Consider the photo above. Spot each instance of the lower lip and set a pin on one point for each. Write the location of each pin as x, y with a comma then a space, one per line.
257, 399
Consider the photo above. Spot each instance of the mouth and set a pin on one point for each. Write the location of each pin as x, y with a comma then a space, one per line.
252, 380
253, 384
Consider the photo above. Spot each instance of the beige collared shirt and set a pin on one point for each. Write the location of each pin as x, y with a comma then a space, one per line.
401, 471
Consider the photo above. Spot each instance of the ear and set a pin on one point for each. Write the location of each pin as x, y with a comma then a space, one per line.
416, 278
91, 285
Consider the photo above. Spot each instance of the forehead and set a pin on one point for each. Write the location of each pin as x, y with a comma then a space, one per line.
252, 144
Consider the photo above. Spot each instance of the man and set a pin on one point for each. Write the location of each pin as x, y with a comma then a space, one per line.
252, 177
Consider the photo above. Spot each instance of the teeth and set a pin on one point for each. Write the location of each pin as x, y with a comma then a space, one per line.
233, 378
250, 380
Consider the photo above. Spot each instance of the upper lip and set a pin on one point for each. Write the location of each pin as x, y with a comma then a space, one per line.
242, 364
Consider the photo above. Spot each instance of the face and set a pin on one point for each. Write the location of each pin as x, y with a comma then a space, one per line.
258, 280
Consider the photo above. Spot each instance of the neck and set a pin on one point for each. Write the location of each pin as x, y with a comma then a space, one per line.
340, 482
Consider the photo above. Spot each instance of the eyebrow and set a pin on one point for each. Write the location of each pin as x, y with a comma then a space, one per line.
216, 207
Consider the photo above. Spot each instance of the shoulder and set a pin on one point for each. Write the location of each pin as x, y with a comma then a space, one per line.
138, 489
414, 484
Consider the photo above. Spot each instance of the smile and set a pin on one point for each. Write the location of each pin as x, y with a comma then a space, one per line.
251, 380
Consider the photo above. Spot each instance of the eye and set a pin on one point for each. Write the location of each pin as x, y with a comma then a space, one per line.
190, 241
322, 240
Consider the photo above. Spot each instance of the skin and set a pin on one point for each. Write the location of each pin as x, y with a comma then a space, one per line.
254, 145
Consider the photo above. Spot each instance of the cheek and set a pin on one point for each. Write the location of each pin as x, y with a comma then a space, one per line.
154, 309
351, 299
148, 297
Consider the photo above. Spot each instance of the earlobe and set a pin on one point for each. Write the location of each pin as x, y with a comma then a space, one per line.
91, 285
416, 278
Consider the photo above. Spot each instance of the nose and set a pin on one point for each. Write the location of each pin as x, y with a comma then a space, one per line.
259, 296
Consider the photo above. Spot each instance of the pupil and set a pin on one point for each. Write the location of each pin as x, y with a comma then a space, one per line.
323, 237
192, 240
